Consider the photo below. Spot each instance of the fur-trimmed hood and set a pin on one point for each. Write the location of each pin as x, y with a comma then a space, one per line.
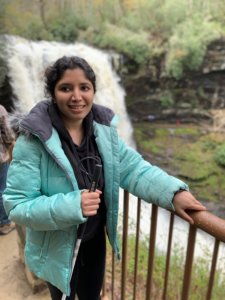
38, 121
15, 120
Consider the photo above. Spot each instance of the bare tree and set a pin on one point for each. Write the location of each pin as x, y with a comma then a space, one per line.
42, 12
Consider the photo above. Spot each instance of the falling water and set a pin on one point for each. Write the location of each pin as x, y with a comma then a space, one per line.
27, 60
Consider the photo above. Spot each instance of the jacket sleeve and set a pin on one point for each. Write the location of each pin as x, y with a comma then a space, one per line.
24, 200
146, 181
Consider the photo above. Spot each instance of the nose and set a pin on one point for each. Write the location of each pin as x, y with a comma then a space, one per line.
76, 96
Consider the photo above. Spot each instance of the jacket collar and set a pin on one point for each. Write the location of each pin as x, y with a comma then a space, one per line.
38, 121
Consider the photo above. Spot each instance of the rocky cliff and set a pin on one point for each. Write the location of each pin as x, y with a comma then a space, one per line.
152, 95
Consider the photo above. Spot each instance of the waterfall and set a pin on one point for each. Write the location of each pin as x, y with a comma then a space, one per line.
27, 60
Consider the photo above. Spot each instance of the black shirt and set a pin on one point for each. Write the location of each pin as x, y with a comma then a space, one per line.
83, 159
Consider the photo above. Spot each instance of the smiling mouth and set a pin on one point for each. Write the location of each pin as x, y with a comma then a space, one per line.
76, 107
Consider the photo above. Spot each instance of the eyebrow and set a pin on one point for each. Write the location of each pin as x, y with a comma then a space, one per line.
70, 83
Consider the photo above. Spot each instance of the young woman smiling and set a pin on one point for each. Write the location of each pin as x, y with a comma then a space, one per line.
60, 142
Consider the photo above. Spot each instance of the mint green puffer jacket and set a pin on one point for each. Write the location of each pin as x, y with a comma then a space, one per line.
42, 192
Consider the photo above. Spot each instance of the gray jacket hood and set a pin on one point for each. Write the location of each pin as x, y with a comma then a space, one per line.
38, 121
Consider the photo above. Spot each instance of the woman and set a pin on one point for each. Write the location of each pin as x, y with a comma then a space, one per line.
6, 144
60, 142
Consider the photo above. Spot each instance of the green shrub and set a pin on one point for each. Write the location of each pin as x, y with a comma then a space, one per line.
188, 44
166, 99
135, 45
2, 16
66, 29
209, 145
220, 155
37, 31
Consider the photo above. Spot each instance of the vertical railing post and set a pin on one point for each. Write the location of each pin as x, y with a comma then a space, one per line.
154, 216
103, 296
203, 220
124, 246
113, 275
104, 287
169, 244
137, 247
189, 262
213, 269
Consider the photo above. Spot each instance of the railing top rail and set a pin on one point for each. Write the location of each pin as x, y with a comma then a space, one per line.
209, 223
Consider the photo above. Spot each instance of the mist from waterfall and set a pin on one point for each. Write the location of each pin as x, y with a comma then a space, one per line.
27, 60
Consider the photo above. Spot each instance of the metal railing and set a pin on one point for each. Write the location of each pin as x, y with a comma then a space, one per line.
115, 285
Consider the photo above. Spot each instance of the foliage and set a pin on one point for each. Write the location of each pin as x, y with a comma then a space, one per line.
134, 45
2, 15
187, 152
17, 25
37, 31
188, 44
66, 29
61, 31
166, 99
179, 30
220, 155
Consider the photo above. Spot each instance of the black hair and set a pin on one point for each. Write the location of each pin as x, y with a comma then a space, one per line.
55, 72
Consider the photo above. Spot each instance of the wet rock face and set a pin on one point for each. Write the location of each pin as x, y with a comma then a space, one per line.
6, 95
215, 57
152, 95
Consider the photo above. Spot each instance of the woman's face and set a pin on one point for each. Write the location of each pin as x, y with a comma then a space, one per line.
74, 95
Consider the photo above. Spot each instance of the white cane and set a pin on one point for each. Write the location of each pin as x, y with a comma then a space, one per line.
94, 183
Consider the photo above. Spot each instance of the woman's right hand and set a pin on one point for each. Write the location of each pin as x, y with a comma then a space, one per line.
90, 202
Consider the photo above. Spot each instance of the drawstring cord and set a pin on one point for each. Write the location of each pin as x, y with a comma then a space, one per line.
88, 158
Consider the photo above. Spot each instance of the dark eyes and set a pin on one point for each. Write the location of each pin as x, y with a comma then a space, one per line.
85, 88
68, 88
65, 88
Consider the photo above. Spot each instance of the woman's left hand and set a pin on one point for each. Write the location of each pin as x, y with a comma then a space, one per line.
183, 201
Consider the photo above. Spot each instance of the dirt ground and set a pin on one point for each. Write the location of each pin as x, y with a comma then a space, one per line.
13, 283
